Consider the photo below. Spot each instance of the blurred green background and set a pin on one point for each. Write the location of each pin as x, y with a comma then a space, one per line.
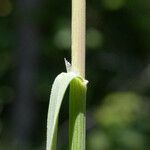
35, 38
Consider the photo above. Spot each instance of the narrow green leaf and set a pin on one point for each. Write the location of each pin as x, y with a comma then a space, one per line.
58, 90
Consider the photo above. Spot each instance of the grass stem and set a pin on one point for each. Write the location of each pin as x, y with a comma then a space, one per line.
77, 102
78, 36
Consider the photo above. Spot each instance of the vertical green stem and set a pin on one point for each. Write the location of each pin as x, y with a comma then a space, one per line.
78, 36
77, 102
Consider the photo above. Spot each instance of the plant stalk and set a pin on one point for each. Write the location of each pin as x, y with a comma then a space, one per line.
77, 104
78, 36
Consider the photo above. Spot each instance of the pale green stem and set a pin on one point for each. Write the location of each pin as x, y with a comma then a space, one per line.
78, 36
77, 104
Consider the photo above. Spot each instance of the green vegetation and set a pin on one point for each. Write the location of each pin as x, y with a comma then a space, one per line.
33, 45
77, 110
74, 77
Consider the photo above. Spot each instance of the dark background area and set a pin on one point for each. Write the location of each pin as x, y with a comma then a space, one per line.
35, 38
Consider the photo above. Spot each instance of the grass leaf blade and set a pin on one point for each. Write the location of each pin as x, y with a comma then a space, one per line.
57, 93
77, 119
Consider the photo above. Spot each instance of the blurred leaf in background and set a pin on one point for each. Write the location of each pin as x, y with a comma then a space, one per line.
113, 5
5, 7
119, 123
119, 110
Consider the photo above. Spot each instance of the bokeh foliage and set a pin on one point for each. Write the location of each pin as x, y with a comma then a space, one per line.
118, 70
